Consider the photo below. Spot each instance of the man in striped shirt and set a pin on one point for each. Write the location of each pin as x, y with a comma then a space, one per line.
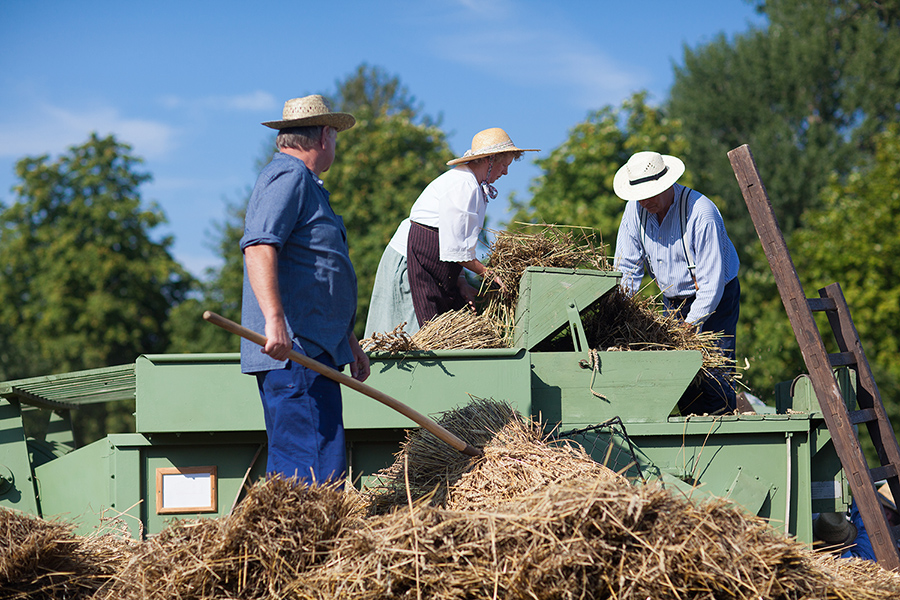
677, 236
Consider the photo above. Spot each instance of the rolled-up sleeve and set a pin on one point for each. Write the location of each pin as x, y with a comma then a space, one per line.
273, 210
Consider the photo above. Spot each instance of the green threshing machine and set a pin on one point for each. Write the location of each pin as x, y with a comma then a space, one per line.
200, 435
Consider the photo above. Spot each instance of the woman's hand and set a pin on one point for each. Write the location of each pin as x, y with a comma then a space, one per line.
468, 292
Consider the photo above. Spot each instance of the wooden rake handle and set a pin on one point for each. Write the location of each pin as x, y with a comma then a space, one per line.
359, 386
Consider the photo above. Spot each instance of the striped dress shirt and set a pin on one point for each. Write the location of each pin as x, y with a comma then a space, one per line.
659, 246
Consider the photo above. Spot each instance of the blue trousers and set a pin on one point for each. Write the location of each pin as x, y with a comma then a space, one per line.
304, 422
713, 394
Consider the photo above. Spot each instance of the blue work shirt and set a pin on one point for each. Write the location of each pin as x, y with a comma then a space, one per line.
862, 545
289, 209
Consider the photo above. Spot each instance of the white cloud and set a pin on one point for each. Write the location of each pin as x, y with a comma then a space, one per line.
533, 49
251, 101
49, 129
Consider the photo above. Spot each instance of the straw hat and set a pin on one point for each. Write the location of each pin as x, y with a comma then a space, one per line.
647, 174
886, 498
311, 110
834, 529
487, 142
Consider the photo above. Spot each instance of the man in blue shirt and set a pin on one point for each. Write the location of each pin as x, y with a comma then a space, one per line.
677, 235
300, 291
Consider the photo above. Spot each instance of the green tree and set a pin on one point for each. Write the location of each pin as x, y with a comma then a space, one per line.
219, 292
382, 165
576, 182
806, 93
84, 284
852, 240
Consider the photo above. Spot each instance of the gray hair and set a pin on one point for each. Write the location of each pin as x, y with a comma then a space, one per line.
299, 138
486, 159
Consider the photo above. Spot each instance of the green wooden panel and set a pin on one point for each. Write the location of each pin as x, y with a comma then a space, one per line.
545, 294
200, 392
634, 386
16, 483
232, 460
439, 381
78, 487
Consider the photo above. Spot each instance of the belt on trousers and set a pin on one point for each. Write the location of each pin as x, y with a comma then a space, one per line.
428, 227
680, 299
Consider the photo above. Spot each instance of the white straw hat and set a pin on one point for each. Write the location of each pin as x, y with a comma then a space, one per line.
647, 174
487, 142
311, 110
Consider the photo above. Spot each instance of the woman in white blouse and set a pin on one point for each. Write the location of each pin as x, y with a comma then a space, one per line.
444, 224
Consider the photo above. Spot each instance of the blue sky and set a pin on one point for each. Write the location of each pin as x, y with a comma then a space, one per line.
187, 83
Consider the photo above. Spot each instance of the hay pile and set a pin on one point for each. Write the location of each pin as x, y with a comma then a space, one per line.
586, 538
42, 559
518, 459
528, 520
278, 533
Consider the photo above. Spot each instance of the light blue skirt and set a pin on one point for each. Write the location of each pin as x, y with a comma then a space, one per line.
391, 302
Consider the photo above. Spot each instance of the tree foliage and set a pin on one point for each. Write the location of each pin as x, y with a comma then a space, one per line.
219, 292
806, 93
84, 284
852, 240
382, 165
575, 186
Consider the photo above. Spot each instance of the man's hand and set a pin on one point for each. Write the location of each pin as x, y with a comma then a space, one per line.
359, 368
278, 342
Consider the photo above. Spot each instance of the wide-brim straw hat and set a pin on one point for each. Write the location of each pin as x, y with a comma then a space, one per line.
309, 111
647, 174
886, 498
487, 142
834, 529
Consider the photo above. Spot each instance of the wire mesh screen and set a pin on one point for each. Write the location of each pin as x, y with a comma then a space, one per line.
608, 443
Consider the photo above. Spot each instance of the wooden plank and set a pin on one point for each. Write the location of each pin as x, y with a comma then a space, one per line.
862, 416
821, 304
867, 394
842, 359
815, 356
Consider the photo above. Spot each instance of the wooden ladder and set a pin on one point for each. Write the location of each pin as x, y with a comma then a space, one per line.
839, 419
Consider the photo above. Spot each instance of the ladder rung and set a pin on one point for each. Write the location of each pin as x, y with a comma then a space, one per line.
883, 472
820, 304
865, 415
842, 359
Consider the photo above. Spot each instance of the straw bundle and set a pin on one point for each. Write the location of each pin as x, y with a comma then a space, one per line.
510, 254
44, 559
461, 329
621, 322
550, 246
277, 533
396, 341
428, 467
585, 538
